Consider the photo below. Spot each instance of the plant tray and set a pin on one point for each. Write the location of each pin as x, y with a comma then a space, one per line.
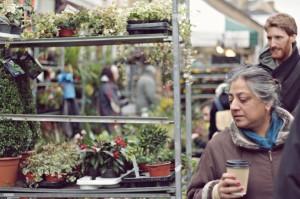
149, 28
146, 181
46, 184
86, 182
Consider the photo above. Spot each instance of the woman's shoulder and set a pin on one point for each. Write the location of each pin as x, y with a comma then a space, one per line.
221, 138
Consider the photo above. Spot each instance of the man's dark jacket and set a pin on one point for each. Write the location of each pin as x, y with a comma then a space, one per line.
288, 178
288, 74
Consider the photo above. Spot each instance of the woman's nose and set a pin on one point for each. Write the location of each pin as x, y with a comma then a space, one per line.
234, 105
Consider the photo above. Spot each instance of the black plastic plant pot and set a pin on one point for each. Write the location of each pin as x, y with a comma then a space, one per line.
15, 30
4, 28
109, 173
93, 173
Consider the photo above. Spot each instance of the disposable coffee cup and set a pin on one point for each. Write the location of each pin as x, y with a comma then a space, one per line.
240, 168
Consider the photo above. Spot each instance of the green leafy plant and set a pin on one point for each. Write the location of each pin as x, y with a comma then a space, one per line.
14, 134
108, 21
66, 20
153, 138
103, 155
157, 10
14, 14
7, 9
28, 102
62, 159
42, 26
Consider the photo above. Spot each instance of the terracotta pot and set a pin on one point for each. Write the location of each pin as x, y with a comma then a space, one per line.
64, 32
24, 157
29, 177
55, 178
159, 169
8, 170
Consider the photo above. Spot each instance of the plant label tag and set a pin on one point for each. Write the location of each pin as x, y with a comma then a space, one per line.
14, 69
135, 166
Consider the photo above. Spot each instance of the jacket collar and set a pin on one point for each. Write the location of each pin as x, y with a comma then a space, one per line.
265, 58
239, 139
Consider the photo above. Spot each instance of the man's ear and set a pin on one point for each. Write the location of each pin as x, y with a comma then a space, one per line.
293, 38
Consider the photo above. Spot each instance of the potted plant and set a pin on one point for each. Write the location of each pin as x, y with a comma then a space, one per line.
153, 138
14, 14
23, 85
14, 135
113, 20
7, 9
66, 23
43, 25
4, 24
60, 161
155, 11
104, 157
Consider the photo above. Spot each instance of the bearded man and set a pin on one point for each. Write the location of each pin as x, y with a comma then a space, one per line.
281, 57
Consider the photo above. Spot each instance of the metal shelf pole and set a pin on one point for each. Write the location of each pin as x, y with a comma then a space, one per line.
176, 85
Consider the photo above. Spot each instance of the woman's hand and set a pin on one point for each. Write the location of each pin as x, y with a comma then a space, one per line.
228, 185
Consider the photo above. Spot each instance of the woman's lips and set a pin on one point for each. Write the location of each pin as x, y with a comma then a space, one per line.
237, 117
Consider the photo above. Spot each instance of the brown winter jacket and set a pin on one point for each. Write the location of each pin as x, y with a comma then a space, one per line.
232, 144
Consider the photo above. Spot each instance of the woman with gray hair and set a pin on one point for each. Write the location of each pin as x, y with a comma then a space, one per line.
257, 134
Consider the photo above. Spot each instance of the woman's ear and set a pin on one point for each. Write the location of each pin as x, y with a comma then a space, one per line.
268, 107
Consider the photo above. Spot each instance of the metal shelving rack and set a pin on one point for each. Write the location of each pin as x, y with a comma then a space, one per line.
86, 41
150, 192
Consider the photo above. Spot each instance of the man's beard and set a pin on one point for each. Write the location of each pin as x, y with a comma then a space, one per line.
281, 53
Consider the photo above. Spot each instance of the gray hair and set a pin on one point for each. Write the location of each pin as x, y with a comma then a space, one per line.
260, 82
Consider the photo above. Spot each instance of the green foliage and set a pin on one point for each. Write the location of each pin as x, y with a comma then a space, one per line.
157, 10
71, 56
153, 138
62, 159
14, 135
113, 20
13, 13
43, 26
28, 103
66, 20
104, 154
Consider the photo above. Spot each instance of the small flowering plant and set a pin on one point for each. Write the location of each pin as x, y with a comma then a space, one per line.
103, 155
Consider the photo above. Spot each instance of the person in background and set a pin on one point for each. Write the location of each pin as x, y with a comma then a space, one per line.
146, 90
70, 106
110, 99
287, 183
281, 57
220, 103
257, 134
200, 132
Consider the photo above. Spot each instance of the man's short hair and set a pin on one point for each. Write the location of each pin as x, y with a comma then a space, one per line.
282, 21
